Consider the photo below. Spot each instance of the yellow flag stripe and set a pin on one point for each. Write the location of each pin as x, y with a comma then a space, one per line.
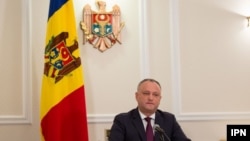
52, 93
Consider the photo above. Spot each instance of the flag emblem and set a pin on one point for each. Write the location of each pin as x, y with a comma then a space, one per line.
60, 61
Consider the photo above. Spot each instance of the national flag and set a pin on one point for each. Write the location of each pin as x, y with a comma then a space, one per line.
62, 106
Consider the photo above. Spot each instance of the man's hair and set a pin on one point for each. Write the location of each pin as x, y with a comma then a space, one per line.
148, 79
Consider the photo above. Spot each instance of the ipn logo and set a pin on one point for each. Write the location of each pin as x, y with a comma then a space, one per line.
238, 132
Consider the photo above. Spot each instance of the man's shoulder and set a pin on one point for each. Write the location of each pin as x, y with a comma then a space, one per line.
127, 114
164, 113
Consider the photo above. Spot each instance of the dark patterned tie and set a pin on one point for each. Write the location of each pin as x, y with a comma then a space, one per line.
149, 130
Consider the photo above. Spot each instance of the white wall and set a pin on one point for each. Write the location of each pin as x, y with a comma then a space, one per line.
198, 50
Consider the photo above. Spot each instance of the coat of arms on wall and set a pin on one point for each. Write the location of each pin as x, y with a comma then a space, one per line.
101, 28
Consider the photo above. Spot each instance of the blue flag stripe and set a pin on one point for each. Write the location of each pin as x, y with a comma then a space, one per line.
55, 5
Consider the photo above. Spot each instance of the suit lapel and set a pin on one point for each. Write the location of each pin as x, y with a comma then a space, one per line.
158, 120
137, 122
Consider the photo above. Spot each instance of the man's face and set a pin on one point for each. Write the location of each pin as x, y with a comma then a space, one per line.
148, 97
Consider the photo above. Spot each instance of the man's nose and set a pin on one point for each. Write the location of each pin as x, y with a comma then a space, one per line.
150, 96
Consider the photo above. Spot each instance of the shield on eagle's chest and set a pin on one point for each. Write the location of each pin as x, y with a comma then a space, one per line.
60, 56
102, 24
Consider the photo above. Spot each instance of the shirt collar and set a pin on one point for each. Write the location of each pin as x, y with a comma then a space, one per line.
144, 116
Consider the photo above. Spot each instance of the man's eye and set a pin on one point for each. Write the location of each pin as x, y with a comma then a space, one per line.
146, 93
156, 94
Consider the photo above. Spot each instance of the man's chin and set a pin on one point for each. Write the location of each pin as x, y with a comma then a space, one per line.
151, 109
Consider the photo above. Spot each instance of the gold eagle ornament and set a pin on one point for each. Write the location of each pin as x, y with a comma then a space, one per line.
101, 28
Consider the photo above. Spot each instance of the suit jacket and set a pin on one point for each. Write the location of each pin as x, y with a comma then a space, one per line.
129, 127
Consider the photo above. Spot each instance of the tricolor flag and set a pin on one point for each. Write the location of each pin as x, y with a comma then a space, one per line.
62, 107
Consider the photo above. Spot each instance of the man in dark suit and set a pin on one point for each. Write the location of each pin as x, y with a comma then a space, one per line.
133, 126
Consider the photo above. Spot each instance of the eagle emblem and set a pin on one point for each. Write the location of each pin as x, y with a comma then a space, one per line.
59, 59
101, 28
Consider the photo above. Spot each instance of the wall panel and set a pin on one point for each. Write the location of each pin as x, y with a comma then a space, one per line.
15, 72
217, 65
